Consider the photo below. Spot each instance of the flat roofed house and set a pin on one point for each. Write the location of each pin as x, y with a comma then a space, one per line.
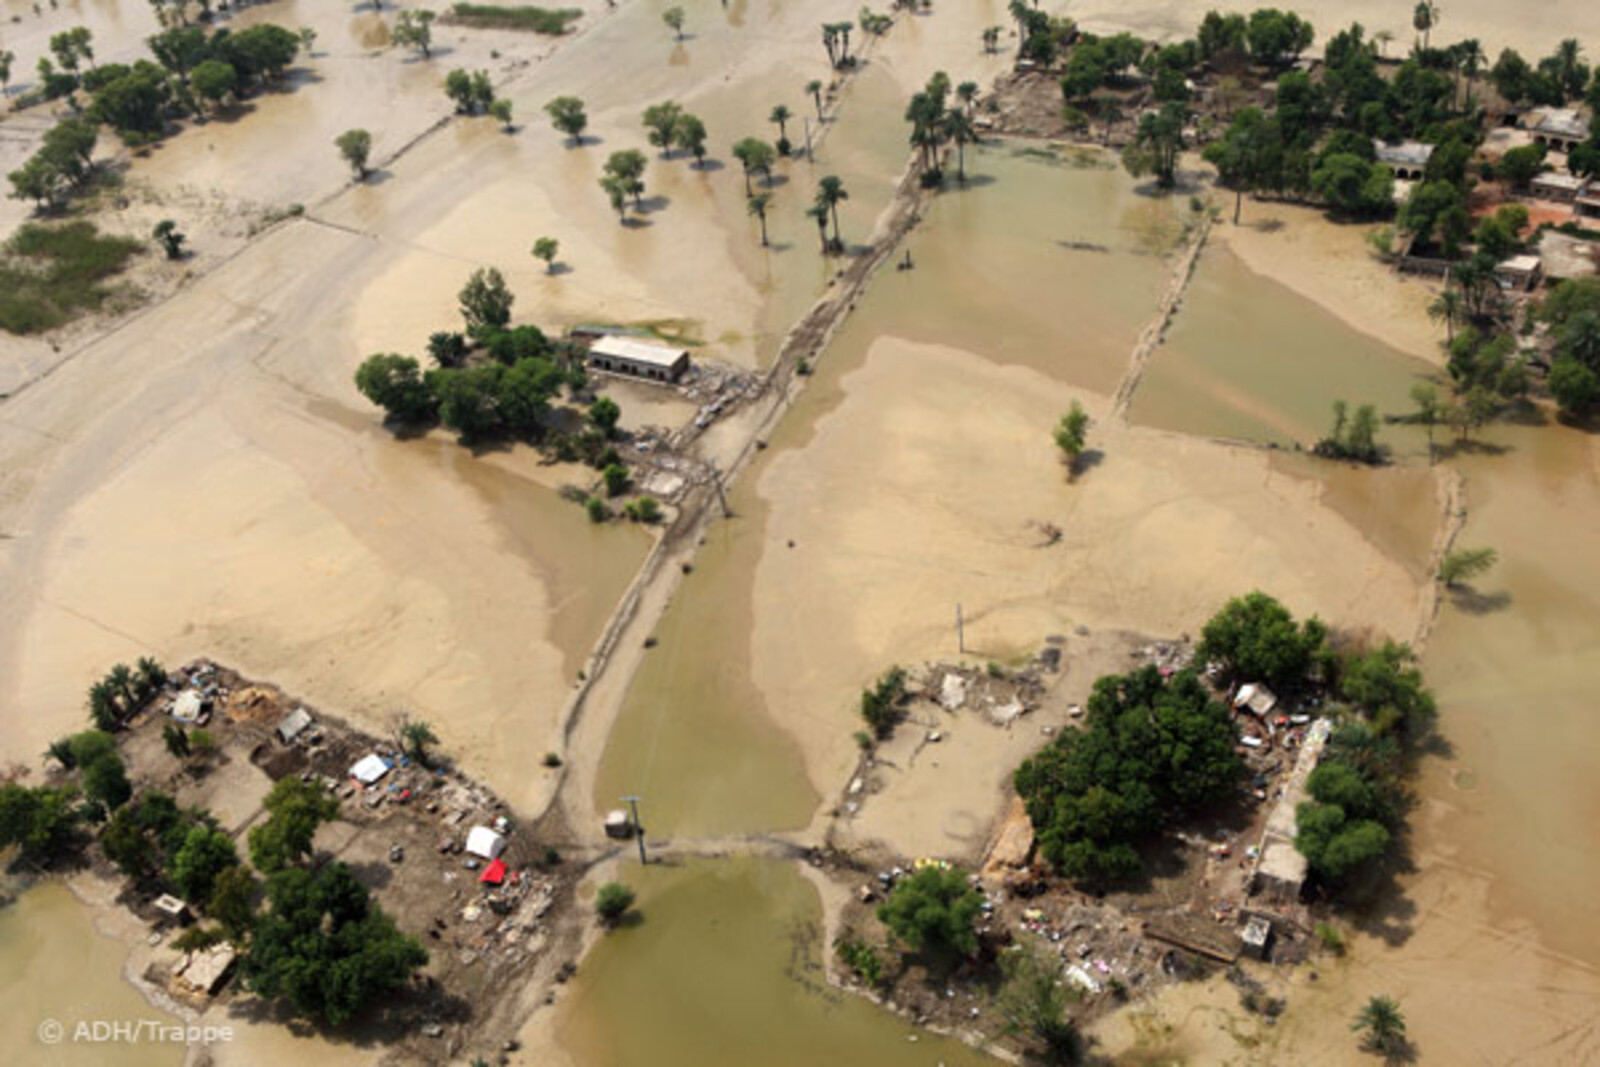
1561, 128
1519, 272
1588, 202
1562, 188
638, 359
1407, 160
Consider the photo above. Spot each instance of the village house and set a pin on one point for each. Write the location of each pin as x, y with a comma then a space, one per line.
1407, 160
1562, 129
1560, 188
1519, 272
1588, 202
1281, 871
638, 359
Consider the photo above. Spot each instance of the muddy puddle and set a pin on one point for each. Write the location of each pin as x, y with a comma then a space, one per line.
725, 966
1248, 359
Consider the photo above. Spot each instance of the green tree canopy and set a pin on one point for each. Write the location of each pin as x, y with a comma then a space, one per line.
294, 811
933, 910
1255, 639
206, 852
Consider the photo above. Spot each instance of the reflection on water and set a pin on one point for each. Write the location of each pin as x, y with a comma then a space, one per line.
1248, 359
726, 968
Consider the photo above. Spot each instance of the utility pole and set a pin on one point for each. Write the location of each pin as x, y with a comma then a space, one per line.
638, 827
809, 157
716, 481
961, 631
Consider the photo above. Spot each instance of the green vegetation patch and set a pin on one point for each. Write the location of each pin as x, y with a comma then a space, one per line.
553, 21
51, 274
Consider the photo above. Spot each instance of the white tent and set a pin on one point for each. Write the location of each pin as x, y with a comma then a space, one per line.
482, 841
369, 768
187, 706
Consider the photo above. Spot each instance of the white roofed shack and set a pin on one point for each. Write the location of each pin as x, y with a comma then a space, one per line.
638, 359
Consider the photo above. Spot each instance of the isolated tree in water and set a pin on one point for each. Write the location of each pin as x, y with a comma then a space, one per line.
485, 302
755, 155
757, 206
1071, 434
355, 146
500, 110
831, 190
567, 115
781, 116
814, 90
415, 29
1465, 564
674, 17
545, 248
689, 134
166, 232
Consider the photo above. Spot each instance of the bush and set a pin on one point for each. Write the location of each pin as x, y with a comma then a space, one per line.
613, 902
1331, 938
551, 21
861, 959
881, 705
51, 274
598, 512
644, 510
933, 910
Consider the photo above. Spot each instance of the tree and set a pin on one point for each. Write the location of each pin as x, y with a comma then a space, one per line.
818, 213
615, 476
395, 384
1156, 145
500, 111
214, 81
567, 115
603, 415
176, 739
1071, 433
1520, 166
545, 248
662, 120
831, 190
1424, 18
470, 90
355, 146
755, 155
414, 29
1436, 212
166, 232
1575, 387
417, 736
958, 128
1335, 844
1426, 399
73, 47
1465, 564
1247, 156
8, 57
233, 901
882, 705
757, 205
674, 18
933, 911
612, 902
41, 822
1353, 186
627, 168
991, 39
1034, 1002
485, 302
1352, 438
1386, 686
689, 133
780, 116
325, 948
206, 852
1275, 37
814, 90
294, 811
1255, 639
1380, 1022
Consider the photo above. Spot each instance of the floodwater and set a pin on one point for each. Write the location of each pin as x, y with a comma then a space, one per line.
59, 967
726, 967
1248, 359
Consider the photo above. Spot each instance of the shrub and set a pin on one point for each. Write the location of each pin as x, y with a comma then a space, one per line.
550, 21
613, 902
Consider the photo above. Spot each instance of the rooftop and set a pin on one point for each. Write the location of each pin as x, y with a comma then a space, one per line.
1552, 180
1405, 154
636, 351
1563, 122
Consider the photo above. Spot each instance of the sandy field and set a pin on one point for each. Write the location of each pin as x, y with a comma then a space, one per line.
926, 487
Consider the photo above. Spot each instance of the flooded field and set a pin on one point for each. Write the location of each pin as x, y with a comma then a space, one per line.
59, 967
1248, 359
725, 967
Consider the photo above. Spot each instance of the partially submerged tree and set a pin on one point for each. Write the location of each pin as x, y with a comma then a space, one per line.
171, 239
933, 910
546, 248
1071, 434
674, 18
355, 146
1035, 1002
1380, 1022
612, 902
567, 115
1465, 564
414, 29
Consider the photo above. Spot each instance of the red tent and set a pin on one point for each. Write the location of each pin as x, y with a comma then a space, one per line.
494, 874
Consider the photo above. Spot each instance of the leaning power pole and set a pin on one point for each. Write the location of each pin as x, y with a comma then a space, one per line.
638, 827
961, 631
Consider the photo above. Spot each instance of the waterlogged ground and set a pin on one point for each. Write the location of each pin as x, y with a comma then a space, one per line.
726, 967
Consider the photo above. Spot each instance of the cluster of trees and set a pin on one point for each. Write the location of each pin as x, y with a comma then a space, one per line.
470, 91
1153, 751
935, 123
123, 690
1572, 311
1040, 37
836, 40
1352, 437
1254, 638
622, 177
193, 71
670, 128
506, 394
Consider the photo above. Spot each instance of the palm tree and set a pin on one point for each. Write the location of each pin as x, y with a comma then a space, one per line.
1383, 38
1469, 54
967, 93
781, 115
1424, 18
831, 190
958, 127
814, 90
991, 38
818, 213
756, 155
1382, 1025
1019, 12
151, 674
757, 205
1447, 308
416, 737
1568, 61
121, 682
102, 705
